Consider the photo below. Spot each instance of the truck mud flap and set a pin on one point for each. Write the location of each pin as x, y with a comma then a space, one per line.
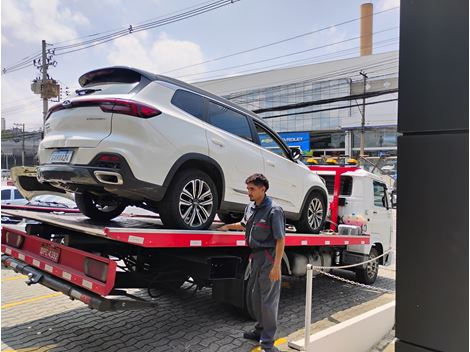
93, 300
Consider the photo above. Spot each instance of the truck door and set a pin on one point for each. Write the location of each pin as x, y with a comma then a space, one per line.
379, 213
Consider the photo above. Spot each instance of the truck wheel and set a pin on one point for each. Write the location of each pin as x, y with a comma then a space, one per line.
368, 275
97, 208
248, 310
230, 218
313, 215
191, 201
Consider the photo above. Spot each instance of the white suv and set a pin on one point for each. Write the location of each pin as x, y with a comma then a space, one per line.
130, 137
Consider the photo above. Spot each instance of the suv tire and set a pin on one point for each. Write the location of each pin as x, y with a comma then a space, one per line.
312, 219
191, 201
96, 208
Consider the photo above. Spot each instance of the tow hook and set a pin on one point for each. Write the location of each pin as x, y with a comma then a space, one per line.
33, 279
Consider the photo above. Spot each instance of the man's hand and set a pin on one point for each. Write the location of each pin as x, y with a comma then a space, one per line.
227, 227
275, 274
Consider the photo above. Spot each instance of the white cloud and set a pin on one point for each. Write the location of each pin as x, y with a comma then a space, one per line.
387, 4
36, 20
19, 104
159, 56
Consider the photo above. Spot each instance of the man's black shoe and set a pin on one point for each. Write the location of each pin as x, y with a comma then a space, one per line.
252, 335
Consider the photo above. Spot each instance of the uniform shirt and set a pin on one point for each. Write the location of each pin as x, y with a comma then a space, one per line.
264, 224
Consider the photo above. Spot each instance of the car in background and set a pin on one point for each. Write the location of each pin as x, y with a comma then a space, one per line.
11, 195
52, 201
5, 174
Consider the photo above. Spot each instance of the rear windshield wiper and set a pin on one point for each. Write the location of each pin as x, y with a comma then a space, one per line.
85, 91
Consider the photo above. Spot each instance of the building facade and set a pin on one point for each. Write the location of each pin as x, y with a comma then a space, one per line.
324, 103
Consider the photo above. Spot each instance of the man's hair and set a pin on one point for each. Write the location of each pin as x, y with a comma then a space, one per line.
258, 180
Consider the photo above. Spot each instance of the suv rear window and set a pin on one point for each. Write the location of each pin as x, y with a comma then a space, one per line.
345, 185
228, 120
189, 102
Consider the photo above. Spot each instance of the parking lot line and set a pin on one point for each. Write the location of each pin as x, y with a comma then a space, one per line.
14, 278
278, 342
13, 304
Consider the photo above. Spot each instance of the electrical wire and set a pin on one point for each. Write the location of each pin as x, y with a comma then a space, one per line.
210, 6
278, 42
285, 55
342, 73
125, 32
337, 55
327, 109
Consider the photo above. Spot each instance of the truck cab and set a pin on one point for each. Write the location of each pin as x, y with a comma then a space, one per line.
363, 194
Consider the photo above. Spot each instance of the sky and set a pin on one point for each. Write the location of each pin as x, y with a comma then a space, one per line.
239, 26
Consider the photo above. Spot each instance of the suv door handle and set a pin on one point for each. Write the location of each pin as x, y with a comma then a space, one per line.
270, 163
374, 212
217, 142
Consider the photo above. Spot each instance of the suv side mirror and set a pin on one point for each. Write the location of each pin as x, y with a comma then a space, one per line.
296, 153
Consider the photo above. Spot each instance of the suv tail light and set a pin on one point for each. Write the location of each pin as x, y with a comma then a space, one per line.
112, 161
118, 106
13, 239
96, 269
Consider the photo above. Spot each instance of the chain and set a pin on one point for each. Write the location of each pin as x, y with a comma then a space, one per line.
339, 278
378, 289
352, 265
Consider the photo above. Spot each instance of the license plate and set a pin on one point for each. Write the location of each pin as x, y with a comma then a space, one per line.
50, 252
61, 156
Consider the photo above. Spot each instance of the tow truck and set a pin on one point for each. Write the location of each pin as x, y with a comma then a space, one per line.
97, 262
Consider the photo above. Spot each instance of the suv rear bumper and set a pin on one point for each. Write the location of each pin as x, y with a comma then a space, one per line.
120, 182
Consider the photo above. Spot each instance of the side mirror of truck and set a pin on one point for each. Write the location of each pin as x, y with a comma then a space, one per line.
393, 199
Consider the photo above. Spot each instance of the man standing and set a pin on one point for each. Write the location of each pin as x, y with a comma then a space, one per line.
264, 225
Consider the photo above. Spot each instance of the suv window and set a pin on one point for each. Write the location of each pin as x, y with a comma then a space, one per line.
345, 184
380, 195
6, 194
18, 195
189, 102
267, 141
228, 120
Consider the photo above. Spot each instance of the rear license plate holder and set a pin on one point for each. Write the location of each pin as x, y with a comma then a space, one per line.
61, 156
50, 252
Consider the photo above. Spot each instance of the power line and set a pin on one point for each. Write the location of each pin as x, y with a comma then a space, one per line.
120, 28
327, 109
277, 42
325, 101
285, 55
138, 28
66, 49
337, 54
337, 74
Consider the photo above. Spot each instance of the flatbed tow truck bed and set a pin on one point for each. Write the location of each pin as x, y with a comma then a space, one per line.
78, 268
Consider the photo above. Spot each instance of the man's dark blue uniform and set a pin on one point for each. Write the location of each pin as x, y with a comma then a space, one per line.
264, 225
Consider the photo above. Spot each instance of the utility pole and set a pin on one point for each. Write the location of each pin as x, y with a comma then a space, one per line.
363, 114
44, 65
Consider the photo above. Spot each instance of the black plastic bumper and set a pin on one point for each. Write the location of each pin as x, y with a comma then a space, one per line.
78, 178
